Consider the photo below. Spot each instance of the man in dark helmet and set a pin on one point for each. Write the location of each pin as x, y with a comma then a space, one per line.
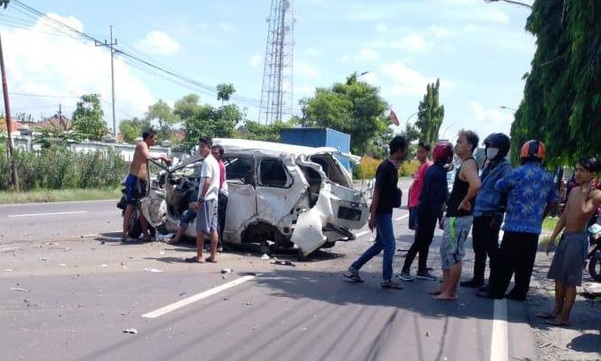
489, 207
531, 194
432, 197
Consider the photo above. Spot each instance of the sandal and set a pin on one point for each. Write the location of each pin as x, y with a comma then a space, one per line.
556, 322
211, 260
353, 277
546, 315
193, 260
390, 284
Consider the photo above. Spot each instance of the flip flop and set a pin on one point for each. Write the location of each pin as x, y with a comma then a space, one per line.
438, 298
193, 260
556, 322
353, 277
434, 293
391, 285
210, 260
546, 315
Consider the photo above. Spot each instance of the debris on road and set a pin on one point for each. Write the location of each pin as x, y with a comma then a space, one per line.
265, 256
19, 289
9, 270
153, 270
132, 331
227, 270
248, 303
283, 263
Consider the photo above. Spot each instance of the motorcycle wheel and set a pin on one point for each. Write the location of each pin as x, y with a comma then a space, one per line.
135, 227
594, 268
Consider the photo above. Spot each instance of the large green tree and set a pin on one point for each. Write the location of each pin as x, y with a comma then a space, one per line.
132, 128
562, 96
352, 107
162, 113
267, 132
88, 117
430, 114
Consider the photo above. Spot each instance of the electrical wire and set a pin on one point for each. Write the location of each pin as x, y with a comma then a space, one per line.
69, 31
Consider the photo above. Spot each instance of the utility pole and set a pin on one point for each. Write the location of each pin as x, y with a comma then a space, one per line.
111, 45
14, 177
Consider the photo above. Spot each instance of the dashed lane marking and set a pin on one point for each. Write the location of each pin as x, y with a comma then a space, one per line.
197, 297
45, 214
401, 217
499, 344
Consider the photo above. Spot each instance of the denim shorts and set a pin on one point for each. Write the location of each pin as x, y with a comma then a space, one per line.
452, 248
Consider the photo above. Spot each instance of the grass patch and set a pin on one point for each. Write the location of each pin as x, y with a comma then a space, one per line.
549, 224
61, 195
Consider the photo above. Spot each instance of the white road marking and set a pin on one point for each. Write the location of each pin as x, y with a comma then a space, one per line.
361, 234
499, 344
45, 214
197, 297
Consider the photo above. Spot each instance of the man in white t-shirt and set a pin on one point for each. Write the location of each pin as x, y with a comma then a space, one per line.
206, 206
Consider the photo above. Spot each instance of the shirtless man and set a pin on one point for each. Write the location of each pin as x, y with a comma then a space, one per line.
570, 256
458, 221
137, 181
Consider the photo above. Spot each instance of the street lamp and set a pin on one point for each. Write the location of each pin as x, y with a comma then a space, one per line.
510, 2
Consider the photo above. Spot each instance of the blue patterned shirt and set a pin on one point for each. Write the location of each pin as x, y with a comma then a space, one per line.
530, 189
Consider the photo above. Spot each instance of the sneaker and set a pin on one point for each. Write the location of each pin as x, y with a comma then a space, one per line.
426, 276
353, 272
406, 276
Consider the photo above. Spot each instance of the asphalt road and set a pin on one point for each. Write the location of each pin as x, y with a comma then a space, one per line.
69, 291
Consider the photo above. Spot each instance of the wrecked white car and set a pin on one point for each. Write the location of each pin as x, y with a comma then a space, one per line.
280, 195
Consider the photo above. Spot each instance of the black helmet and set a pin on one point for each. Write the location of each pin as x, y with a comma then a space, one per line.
498, 140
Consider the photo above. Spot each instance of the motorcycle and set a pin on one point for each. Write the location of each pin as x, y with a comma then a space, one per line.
135, 226
594, 256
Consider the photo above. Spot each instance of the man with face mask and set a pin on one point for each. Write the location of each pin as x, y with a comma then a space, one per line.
489, 207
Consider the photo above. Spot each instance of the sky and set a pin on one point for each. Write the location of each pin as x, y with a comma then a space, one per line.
479, 51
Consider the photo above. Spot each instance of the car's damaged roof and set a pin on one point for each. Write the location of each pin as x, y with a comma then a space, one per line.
273, 149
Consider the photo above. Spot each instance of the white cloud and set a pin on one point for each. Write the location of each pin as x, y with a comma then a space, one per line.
486, 121
405, 81
440, 32
305, 70
368, 54
255, 60
381, 28
42, 63
312, 52
227, 27
159, 43
413, 43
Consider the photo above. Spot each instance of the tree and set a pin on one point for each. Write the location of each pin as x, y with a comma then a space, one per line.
88, 117
352, 107
212, 122
132, 128
430, 114
225, 91
187, 107
266, 132
163, 114
562, 96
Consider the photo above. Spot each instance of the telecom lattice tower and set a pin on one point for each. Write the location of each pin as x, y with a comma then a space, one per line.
276, 92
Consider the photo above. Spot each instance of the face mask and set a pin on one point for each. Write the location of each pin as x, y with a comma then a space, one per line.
491, 153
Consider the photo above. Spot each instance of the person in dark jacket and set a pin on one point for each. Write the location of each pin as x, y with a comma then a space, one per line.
432, 198
489, 208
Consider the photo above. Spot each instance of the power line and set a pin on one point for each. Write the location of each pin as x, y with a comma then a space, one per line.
68, 30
